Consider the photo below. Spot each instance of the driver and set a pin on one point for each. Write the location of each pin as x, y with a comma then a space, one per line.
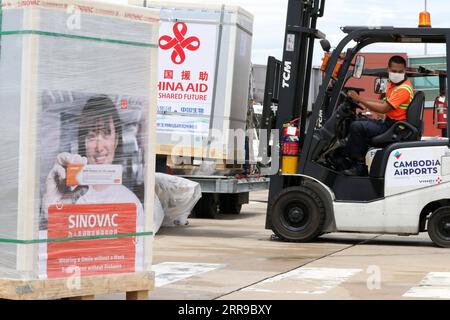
399, 95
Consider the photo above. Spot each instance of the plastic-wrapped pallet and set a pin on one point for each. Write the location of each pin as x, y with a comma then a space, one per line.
77, 123
204, 72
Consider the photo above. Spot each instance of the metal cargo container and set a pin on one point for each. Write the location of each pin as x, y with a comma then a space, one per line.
258, 82
205, 62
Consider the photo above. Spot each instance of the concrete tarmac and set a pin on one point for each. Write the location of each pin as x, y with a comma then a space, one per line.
234, 257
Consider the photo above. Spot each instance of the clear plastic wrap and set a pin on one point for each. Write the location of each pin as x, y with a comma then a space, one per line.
178, 197
158, 215
77, 131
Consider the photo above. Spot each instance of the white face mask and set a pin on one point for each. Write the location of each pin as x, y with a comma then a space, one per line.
396, 77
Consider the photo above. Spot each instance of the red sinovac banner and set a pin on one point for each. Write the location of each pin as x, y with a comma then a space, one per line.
94, 256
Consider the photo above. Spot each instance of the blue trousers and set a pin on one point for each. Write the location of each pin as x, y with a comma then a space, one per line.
361, 133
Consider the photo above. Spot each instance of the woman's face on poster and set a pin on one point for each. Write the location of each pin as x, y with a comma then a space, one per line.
101, 143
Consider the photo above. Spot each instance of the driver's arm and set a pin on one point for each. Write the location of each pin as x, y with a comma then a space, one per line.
382, 107
374, 100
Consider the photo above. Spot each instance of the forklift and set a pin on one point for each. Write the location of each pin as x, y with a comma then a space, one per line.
407, 190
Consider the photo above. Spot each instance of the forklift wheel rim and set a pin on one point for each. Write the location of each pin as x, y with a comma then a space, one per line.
444, 227
296, 217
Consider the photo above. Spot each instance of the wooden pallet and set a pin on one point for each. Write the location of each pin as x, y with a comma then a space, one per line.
218, 165
137, 286
187, 151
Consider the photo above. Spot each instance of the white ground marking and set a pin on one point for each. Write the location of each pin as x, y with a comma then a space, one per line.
170, 272
435, 285
312, 281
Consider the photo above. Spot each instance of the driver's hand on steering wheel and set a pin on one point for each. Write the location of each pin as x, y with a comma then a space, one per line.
354, 96
363, 109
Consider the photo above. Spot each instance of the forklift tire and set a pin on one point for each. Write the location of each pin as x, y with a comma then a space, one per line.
206, 207
298, 215
439, 227
229, 204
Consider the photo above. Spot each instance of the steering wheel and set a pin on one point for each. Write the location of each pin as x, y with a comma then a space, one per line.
346, 113
357, 90
352, 104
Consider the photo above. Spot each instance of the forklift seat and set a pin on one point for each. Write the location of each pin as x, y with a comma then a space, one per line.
411, 130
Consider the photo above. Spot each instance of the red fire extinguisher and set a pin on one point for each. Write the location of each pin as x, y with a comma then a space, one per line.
440, 112
290, 146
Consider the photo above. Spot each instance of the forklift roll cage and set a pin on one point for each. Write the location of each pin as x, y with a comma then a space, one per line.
364, 36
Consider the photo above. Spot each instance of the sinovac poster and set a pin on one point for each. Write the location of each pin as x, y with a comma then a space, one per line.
92, 183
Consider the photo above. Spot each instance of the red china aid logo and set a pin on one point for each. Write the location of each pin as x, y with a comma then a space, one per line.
179, 43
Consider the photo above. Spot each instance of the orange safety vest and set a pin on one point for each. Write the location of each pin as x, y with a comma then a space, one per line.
399, 97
